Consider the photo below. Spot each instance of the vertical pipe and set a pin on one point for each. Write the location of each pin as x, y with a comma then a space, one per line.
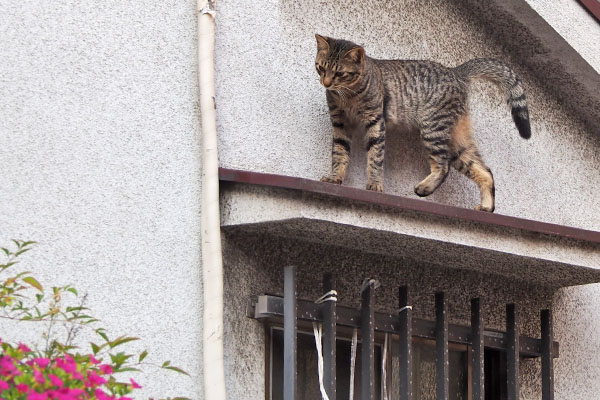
512, 352
477, 350
329, 338
547, 360
441, 345
367, 316
405, 345
290, 328
212, 261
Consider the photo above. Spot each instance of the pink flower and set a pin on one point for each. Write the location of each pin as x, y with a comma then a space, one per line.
77, 375
93, 379
100, 395
134, 384
42, 362
6, 366
56, 381
68, 364
24, 348
105, 369
4, 385
38, 376
93, 360
22, 388
37, 396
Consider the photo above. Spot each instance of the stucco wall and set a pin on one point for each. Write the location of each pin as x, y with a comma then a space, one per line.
254, 265
575, 24
100, 165
273, 117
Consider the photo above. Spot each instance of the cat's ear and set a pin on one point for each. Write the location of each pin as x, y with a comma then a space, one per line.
322, 42
356, 55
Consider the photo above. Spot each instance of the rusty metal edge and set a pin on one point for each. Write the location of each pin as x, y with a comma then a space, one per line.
593, 7
405, 203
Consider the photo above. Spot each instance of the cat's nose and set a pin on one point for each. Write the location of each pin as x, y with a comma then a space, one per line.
327, 82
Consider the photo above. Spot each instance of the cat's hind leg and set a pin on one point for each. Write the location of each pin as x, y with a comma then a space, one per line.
467, 160
437, 142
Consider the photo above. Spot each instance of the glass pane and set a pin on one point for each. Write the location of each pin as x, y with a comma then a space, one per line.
308, 379
424, 372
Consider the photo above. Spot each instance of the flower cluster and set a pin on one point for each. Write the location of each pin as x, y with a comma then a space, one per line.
26, 376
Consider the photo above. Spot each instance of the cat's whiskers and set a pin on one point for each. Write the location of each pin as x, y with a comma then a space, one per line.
348, 89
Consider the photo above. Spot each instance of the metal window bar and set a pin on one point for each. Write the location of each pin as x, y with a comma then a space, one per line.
367, 330
290, 333
368, 321
512, 352
328, 310
477, 350
405, 328
442, 356
547, 361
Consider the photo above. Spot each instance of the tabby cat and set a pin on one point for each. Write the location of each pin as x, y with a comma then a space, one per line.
371, 94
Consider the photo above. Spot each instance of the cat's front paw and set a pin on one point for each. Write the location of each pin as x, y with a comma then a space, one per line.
332, 179
423, 189
376, 187
484, 208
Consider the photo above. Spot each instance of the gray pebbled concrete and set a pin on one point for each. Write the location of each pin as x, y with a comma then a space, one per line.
265, 256
273, 118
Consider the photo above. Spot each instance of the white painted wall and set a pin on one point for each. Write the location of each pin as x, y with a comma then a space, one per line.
100, 164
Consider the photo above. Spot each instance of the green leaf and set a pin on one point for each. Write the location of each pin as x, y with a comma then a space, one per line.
95, 348
142, 356
127, 369
120, 340
178, 370
33, 282
6, 251
18, 253
72, 290
100, 332
166, 364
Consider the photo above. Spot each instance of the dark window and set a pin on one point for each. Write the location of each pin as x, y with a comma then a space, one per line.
495, 375
308, 380
423, 369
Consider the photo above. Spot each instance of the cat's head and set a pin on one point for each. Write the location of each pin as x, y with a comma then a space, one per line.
339, 63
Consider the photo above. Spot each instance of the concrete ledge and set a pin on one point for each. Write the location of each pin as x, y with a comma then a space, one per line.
395, 226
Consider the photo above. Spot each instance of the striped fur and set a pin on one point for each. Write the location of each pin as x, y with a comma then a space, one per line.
369, 93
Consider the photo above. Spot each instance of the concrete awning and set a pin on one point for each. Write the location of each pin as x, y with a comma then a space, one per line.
395, 226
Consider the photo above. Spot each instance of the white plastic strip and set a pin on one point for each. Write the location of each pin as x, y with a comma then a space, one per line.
384, 392
353, 362
318, 331
329, 296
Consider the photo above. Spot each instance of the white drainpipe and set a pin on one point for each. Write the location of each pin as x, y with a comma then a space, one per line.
212, 261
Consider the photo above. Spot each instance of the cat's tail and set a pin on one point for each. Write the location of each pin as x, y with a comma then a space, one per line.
500, 74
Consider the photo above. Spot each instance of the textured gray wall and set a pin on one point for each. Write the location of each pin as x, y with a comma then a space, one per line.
254, 265
100, 164
100, 155
273, 118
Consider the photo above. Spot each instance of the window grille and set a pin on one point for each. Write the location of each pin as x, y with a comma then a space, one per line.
483, 344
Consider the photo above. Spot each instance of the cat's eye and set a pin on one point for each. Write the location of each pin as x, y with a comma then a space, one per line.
320, 68
341, 74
